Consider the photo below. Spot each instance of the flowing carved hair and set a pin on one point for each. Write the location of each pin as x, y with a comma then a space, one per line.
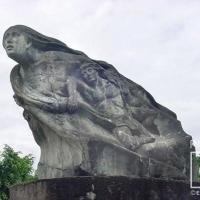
42, 42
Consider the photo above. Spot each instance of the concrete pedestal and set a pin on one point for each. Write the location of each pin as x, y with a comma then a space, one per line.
102, 188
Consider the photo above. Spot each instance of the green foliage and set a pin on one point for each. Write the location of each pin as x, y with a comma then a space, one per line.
14, 169
198, 166
196, 161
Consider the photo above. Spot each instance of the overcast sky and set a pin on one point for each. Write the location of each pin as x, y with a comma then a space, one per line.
156, 43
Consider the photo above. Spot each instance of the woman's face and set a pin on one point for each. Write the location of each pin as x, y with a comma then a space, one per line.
89, 75
15, 44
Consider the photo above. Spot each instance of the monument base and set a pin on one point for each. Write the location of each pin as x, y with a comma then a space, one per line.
102, 188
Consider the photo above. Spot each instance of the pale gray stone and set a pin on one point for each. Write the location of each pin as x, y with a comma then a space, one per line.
87, 118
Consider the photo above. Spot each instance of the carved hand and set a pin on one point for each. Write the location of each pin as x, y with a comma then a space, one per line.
72, 104
50, 106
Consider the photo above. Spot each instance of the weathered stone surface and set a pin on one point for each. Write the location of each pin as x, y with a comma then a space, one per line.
87, 118
102, 188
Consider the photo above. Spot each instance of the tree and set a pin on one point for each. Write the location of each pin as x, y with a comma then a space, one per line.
14, 169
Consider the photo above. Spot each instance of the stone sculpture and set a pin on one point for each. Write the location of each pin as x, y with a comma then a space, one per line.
87, 118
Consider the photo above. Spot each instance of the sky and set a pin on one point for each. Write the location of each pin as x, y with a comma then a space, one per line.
155, 43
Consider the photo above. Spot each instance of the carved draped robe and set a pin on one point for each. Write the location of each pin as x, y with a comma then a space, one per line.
82, 142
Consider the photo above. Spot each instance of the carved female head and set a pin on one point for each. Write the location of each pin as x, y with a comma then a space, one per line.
90, 72
37, 40
16, 44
